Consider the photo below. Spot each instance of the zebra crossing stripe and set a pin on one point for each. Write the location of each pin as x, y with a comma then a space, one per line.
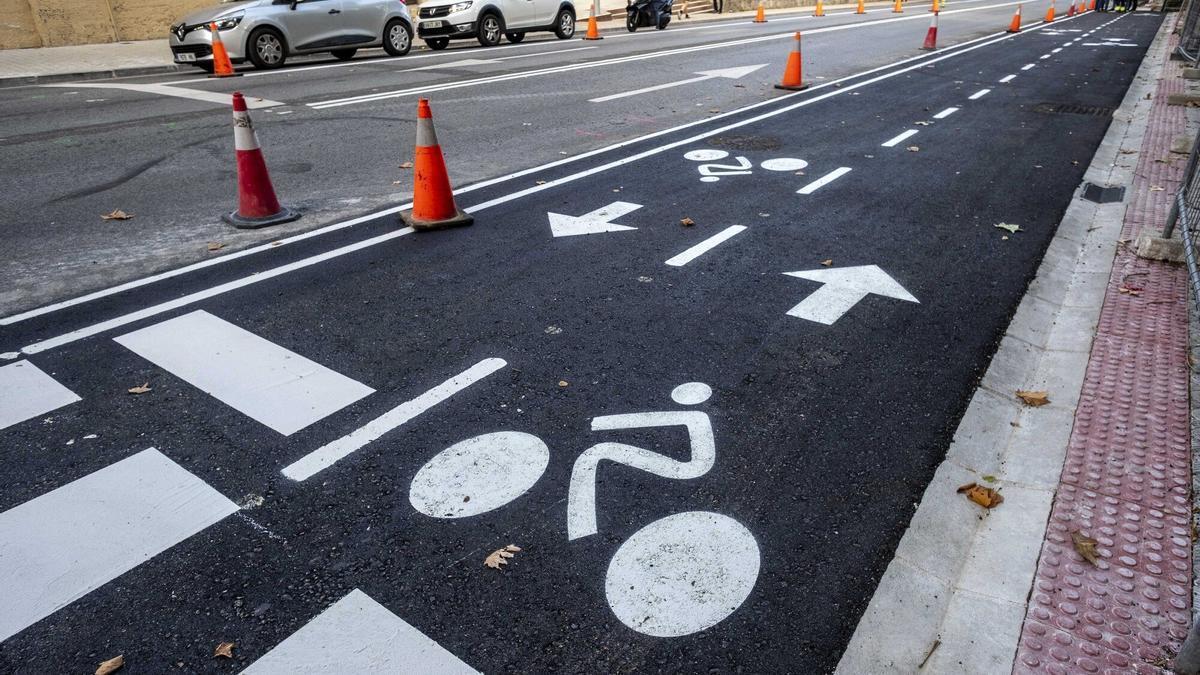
358, 635
26, 392
58, 547
262, 380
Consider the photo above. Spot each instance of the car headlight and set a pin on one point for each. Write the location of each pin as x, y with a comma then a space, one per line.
228, 22
460, 6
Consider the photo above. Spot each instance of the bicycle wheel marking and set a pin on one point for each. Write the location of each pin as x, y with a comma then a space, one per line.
479, 474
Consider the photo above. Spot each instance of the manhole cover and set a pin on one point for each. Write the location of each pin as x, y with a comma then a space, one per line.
1072, 109
1102, 195
752, 143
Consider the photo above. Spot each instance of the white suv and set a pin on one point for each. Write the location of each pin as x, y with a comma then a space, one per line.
487, 20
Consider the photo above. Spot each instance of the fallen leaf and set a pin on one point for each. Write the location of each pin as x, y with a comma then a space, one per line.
1085, 547
215, 246
1130, 291
397, 182
117, 214
1035, 399
500, 556
983, 496
406, 165
1009, 227
224, 649
923, 123
713, 110
687, 222
645, 280
540, 182
563, 383
914, 148
989, 479
1157, 188
552, 330
140, 389
827, 263
111, 666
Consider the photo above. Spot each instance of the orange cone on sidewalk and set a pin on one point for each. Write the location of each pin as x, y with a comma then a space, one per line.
257, 204
934, 7
593, 31
931, 34
898, 8
1050, 12
820, 10
1092, 6
793, 76
1015, 26
862, 8
761, 15
222, 66
433, 200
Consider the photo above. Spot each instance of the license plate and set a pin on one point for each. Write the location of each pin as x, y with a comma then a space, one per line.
184, 56
431, 24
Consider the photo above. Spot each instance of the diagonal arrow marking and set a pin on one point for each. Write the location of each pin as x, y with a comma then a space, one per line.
593, 222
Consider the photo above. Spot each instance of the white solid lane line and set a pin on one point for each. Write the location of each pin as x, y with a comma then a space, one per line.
893, 142
325, 456
27, 392
705, 246
945, 113
499, 59
727, 73
72, 540
1008, 78
979, 94
823, 180
214, 97
358, 635
1027, 66
252, 375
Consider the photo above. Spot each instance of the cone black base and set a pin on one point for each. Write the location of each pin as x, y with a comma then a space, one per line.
285, 215
459, 219
799, 88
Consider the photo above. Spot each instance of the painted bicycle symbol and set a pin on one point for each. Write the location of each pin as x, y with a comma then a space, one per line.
711, 173
664, 580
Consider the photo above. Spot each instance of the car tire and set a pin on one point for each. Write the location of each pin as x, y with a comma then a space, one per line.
437, 44
491, 27
515, 38
564, 24
631, 23
266, 48
397, 38
344, 54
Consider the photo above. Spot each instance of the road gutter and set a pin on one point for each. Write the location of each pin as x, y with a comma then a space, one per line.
954, 597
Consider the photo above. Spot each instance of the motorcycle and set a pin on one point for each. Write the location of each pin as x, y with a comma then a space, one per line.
642, 13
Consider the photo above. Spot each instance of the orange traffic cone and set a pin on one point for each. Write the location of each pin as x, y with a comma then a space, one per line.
898, 8
761, 15
222, 67
433, 200
820, 10
934, 7
257, 204
1050, 12
1015, 26
931, 34
1092, 6
593, 31
862, 8
793, 77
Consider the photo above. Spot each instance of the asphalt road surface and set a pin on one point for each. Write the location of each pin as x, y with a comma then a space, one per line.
705, 439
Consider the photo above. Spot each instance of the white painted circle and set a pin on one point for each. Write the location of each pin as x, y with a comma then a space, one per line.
691, 393
682, 574
479, 474
784, 164
705, 155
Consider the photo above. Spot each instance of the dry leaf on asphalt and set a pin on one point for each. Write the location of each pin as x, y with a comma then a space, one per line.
111, 666
406, 165
215, 246
1157, 188
117, 214
1085, 547
827, 263
923, 123
224, 649
1129, 291
140, 389
914, 148
563, 383
500, 556
687, 222
983, 496
1034, 398
1009, 227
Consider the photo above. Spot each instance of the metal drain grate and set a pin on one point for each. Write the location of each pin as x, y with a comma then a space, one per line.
1103, 195
1072, 109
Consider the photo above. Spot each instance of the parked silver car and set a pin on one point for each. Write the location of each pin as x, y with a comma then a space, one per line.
266, 32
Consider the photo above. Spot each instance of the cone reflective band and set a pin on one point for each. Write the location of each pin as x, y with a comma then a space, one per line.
433, 200
1050, 12
1015, 26
793, 76
222, 66
257, 204
931, 34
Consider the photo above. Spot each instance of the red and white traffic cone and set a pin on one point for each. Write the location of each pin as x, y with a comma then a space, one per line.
433, 200
931, 34
257, 204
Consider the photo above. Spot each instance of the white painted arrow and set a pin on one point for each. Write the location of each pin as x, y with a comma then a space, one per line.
728, 73
595, 222
843, 288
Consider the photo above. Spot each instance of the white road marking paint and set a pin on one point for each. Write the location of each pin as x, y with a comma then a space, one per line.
72, 540
705, 246
1044, 56
824, 180
703, 75
665, 582
945, 113
1068, 43
893, 142
358, 635
479, 474
285, 112
842, 289
1104, 44
1008, 78
1056, 50
783, 164
325, 456
252, 375
1027, 66
484, 62
215, 97
979, 94
27, 392
593, 222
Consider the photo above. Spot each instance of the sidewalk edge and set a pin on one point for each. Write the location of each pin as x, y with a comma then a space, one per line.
28, 80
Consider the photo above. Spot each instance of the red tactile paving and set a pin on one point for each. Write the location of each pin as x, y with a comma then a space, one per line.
1126, 481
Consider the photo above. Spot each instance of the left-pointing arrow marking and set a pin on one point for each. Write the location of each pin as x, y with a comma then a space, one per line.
594, 222
843, 288
728, 73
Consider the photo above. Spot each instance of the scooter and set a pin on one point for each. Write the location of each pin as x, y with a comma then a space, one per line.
642, 13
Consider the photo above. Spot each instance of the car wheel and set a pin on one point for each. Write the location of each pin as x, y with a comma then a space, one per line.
344, 54
397, 38
514, 37
266, 48
564, 24
437, 44
490, 30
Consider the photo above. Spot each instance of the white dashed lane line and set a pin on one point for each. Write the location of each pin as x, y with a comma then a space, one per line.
945, 113
1056, 50
891, 143
1027, 66
706, 245
1008, 78
824, 180
979, 94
